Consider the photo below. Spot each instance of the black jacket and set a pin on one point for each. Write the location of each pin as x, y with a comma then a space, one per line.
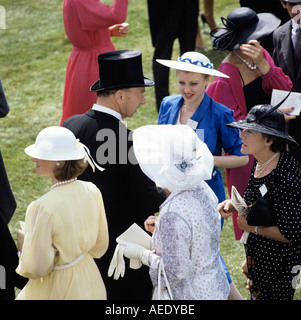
129, 195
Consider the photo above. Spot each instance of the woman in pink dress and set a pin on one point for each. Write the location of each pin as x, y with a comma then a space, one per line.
253, 76
89, 25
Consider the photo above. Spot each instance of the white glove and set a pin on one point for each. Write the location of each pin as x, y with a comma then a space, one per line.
136, 253
117, 263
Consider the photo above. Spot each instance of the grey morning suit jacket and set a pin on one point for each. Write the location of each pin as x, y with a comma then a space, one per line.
284, 57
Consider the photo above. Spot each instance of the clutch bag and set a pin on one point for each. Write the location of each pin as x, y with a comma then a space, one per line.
261, 213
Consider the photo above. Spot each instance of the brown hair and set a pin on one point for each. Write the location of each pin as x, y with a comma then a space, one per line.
70, 169
278, 143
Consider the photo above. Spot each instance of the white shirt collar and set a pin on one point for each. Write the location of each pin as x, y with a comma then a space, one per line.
295, 25
107, 110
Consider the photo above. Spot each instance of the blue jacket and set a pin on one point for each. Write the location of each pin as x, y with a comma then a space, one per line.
211, 118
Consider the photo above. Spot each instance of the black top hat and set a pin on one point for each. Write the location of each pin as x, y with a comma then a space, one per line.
265, 119
243, 24
120, 69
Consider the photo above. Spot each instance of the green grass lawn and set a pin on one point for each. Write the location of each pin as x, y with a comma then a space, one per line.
33, 56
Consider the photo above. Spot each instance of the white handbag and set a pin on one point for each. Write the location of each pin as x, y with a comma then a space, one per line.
162, 293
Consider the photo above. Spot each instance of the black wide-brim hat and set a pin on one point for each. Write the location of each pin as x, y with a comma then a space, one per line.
243, 24
264, 119
120, 69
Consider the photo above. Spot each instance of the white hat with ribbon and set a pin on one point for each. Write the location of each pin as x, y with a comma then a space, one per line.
192, 61
56, 143
172, 156
59, 144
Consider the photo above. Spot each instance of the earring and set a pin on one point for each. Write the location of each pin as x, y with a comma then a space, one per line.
58, 164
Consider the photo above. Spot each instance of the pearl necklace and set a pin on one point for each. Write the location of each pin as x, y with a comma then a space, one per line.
253, 68
261, 167
62, 182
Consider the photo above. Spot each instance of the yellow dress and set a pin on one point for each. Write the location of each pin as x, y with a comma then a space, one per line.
65, 225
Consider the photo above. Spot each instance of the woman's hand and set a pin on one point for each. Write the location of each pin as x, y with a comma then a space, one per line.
243, 224
287, 115
119, 30
149, 224
225, 209
253, 50
272, 232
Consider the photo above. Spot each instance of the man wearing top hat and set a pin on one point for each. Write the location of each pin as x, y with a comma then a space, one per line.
129, 195
287, 56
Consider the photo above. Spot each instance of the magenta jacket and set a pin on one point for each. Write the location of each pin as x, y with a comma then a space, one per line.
229, 91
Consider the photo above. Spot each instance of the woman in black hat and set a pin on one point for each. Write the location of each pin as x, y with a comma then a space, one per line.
273, 196
253, 75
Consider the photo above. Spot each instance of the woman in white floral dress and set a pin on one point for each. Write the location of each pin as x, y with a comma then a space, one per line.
187, 232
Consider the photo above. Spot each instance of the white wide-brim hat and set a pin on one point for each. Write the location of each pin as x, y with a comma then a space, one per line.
172, 156
56, 144
192, 61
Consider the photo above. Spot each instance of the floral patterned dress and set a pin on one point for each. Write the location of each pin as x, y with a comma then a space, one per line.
187, 238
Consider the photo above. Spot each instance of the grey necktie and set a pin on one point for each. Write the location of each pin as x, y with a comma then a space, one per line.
298, 43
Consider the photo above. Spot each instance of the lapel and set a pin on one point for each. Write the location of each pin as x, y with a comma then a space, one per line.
174, 112
196, 117
298, 76
202, 109
288, 50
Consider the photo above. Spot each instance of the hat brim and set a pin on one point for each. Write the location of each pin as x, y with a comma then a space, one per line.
98, 87
266, 25
185, 66
76, 154
157, 147
242, 124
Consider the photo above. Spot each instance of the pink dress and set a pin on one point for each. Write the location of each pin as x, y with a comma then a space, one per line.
86, 25
229, 91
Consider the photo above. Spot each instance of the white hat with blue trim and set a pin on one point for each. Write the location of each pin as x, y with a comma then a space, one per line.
192, 61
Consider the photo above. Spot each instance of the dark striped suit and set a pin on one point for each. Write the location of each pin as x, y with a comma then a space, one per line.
284, 57
170, 20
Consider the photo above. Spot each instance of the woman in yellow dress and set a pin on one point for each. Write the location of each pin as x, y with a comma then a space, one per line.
65, 228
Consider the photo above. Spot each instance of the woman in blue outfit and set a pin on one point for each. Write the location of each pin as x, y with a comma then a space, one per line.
208, 118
